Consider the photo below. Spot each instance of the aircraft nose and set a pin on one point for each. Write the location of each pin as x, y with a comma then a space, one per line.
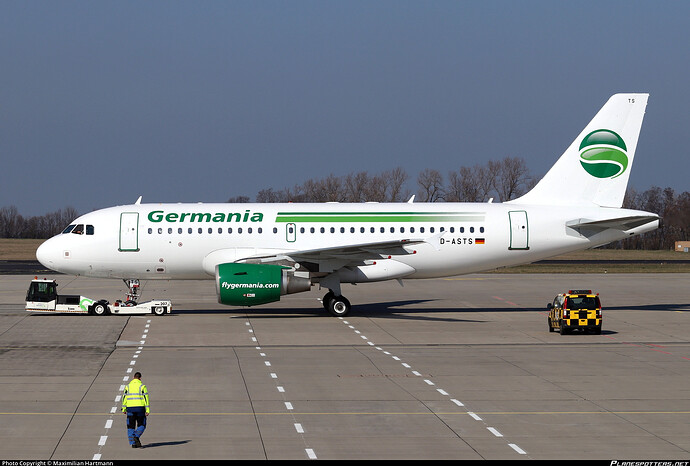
46, 255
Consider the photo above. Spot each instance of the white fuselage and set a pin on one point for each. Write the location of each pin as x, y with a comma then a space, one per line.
187, 241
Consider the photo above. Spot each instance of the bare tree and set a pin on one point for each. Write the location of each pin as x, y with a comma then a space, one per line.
395, 183
13, 225
356, 187
239, 200
512, 177
333, 189
11, 222
430, 184
473, 184
270, 196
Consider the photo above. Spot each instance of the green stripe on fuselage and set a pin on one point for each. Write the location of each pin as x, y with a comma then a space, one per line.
372, 217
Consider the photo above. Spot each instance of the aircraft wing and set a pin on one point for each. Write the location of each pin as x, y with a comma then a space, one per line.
333, 258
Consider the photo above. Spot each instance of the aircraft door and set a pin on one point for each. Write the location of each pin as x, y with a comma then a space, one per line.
519, 230
291, 232
129, 232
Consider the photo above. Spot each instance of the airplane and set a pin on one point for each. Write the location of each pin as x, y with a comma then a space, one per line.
258, 252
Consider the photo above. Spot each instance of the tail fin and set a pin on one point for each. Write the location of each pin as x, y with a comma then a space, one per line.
595, 169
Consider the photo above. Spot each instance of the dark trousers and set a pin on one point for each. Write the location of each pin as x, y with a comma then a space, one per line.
136, 423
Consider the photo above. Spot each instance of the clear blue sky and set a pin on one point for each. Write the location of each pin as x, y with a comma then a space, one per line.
198, 101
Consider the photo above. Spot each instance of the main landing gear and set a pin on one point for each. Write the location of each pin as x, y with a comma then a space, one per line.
338, 306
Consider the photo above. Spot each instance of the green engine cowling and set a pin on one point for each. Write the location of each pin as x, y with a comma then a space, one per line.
254, 284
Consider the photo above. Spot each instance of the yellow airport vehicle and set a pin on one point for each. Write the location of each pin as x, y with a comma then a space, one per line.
575, 310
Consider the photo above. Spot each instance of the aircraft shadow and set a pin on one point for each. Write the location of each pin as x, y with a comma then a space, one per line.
407, 309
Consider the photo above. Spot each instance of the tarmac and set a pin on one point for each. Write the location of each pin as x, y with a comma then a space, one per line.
459, 368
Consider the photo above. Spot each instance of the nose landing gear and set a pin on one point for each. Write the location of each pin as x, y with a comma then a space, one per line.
133, 286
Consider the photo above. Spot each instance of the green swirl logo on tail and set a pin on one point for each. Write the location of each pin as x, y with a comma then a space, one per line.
603, 154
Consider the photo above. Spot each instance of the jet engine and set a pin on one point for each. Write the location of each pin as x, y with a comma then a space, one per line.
239, 284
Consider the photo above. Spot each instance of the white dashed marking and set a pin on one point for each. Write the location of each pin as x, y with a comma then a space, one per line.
457, 402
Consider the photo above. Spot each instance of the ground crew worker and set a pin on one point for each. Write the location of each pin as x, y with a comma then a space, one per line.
135, 404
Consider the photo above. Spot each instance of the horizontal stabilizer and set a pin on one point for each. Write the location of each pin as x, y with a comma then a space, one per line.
621, 223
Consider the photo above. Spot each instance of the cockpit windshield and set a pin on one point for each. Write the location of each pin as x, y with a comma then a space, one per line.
79, 229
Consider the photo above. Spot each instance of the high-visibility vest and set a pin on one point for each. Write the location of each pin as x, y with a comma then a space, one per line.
135, 395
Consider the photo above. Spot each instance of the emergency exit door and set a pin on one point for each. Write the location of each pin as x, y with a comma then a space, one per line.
129, 232
519, 230
291, 232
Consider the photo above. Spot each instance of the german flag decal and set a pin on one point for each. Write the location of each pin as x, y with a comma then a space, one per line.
479, 241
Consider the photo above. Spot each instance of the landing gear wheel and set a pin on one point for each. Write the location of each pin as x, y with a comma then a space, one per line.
327, 299
99, 309
339, 306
